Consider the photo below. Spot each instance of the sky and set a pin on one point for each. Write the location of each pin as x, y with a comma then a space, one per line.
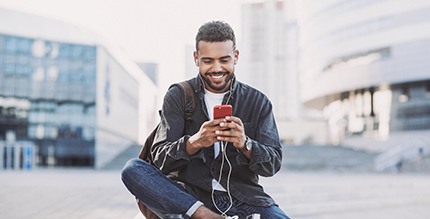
146, 30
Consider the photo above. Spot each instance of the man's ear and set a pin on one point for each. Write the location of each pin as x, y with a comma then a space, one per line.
196, 58
236, 56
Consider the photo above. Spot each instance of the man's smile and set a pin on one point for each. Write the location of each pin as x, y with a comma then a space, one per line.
216, 75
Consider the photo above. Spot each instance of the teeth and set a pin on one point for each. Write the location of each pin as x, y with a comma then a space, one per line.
216, 76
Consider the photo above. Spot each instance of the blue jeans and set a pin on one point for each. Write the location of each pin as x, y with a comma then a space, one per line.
163, 196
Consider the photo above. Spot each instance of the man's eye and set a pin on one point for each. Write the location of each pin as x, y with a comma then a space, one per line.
207, 61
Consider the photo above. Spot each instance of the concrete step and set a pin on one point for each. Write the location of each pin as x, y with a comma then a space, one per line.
295, 158
326, 158
118, 162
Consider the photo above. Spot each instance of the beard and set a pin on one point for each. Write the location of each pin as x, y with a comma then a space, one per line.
220, 87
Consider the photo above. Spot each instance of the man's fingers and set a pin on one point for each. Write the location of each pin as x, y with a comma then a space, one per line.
234, 119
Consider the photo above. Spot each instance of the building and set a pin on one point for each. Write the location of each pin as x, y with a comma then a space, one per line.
263, 50
268, 62
150, 69
365, 64
68, 93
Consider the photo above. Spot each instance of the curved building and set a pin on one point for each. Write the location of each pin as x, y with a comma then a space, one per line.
365, 63
68, 93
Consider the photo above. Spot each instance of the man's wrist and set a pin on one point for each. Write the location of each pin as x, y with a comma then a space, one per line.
248, 144
191, 147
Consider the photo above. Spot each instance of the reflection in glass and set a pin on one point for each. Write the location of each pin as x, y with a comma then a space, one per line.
43, 98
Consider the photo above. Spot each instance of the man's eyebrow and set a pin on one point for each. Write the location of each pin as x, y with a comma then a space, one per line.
225, 57
207, 58
222, 57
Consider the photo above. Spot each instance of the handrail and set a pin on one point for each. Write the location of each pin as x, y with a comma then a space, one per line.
409, 149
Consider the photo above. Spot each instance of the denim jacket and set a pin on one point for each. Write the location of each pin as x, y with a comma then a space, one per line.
197, 171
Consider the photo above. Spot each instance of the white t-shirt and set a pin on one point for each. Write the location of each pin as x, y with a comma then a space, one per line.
211, 100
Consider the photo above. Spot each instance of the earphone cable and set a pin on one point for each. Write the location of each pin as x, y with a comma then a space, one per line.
224, 157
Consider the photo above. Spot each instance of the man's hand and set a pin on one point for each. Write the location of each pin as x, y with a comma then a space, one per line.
229, 129
232, 130
205, 137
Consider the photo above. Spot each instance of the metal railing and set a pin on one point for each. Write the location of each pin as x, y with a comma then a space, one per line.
17, 156
407, 148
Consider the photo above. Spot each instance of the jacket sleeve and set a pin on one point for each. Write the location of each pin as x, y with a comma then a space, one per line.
169, 148
266, 156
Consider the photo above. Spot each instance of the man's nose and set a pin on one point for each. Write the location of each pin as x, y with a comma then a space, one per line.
217, 67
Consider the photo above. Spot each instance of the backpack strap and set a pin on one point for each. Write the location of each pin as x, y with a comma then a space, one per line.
189, 100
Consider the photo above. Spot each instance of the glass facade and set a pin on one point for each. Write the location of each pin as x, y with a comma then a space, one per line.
68, 96
48, 96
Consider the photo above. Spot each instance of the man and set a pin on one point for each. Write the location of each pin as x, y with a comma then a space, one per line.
213, 164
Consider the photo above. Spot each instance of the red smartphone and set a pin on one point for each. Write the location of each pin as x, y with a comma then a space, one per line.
221, 111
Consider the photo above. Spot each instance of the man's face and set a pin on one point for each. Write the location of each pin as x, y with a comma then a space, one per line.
216, 62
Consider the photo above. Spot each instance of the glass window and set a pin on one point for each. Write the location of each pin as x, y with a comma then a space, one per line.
2, 43
38, 48
8, 65
53, 50
23, 69
89, 53
32, 131
52, 73
10, 44
76, 51
39, 74
64, 51
24, 45
51, 132
75, 76
9, 68
88, 133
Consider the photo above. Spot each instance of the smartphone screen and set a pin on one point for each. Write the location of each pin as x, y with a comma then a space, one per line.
221, 111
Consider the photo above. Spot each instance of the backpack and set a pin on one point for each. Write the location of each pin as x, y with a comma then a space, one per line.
145, 152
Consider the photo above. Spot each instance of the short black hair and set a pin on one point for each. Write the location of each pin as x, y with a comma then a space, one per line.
215, 31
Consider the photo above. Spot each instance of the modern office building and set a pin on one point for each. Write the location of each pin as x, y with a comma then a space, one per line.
268, 62
67, 93
365, 63
263, 50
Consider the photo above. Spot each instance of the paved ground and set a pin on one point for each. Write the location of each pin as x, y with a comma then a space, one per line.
351, 196
68, 194
85, 194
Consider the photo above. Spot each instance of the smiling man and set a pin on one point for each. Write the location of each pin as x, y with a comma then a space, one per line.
212, 165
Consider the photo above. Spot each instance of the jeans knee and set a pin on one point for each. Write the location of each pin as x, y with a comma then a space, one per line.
129, 169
